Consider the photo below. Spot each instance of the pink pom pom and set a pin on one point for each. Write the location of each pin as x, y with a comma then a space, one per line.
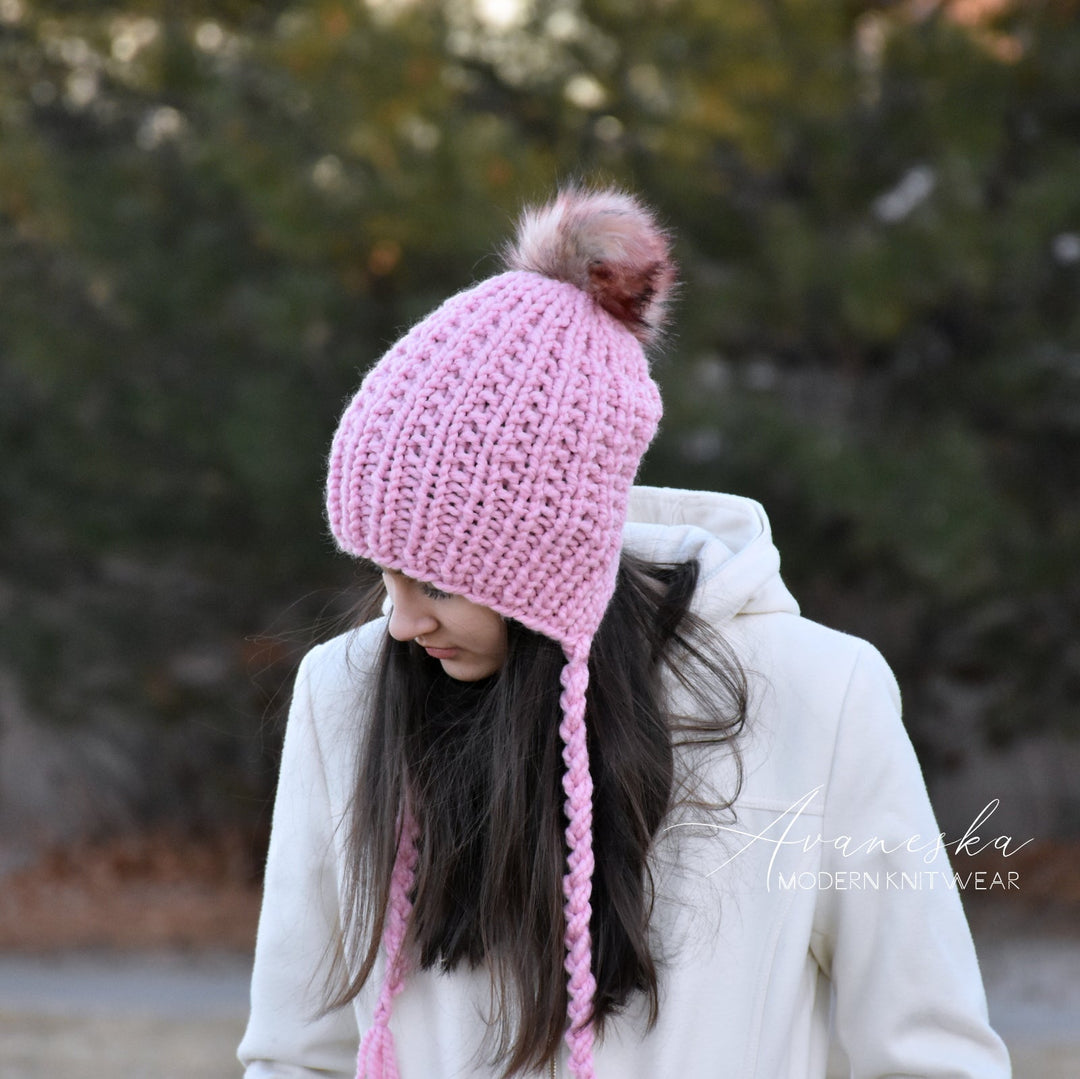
607, 244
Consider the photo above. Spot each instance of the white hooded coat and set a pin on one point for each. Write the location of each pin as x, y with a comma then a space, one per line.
816, 931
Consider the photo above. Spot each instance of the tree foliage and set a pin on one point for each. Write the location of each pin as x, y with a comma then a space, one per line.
214, 216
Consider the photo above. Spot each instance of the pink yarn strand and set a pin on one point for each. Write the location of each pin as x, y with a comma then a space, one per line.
376, 1058
577, 884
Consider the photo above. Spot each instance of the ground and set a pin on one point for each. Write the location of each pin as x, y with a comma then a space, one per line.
131, 958
159, 890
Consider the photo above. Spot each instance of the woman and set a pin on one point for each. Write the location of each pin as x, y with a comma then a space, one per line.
591, 735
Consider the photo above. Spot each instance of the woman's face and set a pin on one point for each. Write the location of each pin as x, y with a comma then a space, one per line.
467, 639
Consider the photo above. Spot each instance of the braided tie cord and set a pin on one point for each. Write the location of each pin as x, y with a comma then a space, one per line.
376, 1059
577, 884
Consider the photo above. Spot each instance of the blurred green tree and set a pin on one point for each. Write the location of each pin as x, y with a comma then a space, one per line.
213, 216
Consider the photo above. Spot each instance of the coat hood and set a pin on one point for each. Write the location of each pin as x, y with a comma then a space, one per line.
728, 535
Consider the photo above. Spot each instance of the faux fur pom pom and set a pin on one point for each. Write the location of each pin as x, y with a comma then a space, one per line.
607, 244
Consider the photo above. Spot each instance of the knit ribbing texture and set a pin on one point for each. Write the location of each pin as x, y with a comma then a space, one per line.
492, 451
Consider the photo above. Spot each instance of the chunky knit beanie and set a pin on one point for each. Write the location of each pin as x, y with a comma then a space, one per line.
490, 453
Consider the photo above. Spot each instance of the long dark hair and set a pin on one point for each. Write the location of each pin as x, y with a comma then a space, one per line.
483, 766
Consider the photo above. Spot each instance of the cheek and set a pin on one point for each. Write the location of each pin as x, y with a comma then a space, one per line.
499, 640
490, 635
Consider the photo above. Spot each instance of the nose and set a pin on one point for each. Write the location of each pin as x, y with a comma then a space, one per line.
410, 615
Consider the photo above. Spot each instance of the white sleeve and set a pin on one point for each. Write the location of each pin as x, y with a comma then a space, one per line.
299, 924
909, 999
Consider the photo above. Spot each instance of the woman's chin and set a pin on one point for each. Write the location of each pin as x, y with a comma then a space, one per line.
468, 669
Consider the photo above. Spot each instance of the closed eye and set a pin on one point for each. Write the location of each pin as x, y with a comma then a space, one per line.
432, 592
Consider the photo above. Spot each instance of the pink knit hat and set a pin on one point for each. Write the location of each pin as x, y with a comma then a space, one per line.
490, 453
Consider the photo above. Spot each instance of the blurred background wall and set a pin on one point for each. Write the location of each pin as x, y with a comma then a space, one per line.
215, 215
